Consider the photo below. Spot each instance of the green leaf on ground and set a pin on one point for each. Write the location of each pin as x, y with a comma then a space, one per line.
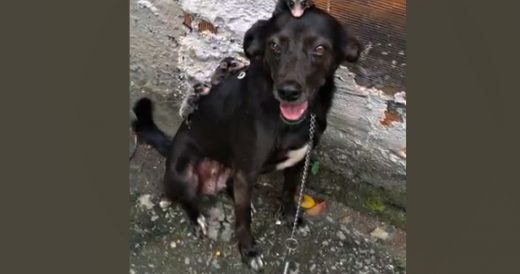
375, 205
315, 167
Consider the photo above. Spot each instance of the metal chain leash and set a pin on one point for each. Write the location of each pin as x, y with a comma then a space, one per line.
291, 243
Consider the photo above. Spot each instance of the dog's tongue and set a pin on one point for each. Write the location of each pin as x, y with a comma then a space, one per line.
293, 112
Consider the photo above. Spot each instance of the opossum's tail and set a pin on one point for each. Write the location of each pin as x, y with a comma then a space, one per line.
147, 130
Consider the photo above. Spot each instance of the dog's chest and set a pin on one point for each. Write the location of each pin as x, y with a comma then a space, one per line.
292, 157
291, 149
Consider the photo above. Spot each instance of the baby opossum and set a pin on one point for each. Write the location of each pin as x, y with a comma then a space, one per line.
227, 66
297, 7
189, 105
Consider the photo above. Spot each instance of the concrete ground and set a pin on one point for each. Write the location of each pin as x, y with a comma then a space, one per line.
341, 240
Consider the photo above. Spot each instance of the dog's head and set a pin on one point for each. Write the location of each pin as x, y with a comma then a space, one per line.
301, 55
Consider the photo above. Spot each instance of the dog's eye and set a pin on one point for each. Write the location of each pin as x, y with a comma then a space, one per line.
275, 48
319, 50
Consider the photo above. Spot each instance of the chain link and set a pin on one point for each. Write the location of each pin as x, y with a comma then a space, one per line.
291, 243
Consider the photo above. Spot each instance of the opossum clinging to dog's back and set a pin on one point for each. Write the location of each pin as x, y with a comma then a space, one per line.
297, 7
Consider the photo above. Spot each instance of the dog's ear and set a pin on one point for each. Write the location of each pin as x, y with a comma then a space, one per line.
352, 50
254, 40
351, 46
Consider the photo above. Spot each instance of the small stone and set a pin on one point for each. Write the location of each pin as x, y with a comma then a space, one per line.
154, 218
164, 203
146, 201
132, 271
345, 220
312, 268
173, 244
213, 232
186, 260
215, 264
278, 222
379, 233
340, 235
217, 214
294, 268
226, 233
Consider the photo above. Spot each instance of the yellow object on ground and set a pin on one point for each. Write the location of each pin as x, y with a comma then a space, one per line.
307, 202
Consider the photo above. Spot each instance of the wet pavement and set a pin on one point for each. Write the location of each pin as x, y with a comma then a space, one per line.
341, 240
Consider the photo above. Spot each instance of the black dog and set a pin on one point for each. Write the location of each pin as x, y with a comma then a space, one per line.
256, 124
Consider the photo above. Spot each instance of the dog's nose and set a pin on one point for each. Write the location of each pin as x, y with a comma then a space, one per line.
289, 92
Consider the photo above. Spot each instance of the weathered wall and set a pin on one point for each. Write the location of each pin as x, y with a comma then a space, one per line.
366, 138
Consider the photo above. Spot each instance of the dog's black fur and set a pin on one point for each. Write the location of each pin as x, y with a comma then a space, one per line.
227, 67
240, 130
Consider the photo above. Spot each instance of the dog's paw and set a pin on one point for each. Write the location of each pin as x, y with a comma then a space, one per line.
253, 258
288, 214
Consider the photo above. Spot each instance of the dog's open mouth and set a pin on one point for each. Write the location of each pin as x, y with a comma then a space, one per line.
293, 112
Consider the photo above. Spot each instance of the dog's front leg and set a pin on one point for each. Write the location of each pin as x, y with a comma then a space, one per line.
242, 187
292, 178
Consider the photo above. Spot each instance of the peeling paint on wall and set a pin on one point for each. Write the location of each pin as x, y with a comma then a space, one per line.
147, 4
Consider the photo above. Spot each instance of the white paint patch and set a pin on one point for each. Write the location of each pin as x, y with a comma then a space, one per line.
200, 52
293, 157
236, 16
147, 4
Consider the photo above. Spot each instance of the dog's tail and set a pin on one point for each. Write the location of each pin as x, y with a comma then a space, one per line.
147, 130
